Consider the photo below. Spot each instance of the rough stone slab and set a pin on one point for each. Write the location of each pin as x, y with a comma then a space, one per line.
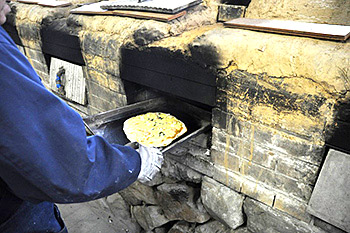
222, 203
177, 171
228, 12
216, 226
149, 217
182, 227
194, 157
330, 200
137, 193
264, 219
181, 202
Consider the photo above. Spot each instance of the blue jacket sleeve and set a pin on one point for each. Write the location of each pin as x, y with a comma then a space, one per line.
44, 152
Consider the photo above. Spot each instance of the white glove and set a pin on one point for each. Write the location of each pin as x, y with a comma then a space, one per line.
151, 162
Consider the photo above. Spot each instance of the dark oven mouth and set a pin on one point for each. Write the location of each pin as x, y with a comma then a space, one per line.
110, 124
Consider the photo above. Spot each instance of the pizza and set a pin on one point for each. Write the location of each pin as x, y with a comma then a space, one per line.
153, 129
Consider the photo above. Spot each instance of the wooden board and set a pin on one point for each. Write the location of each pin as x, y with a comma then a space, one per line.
52, 3
321, 31
28, 1
149, 15
74, 84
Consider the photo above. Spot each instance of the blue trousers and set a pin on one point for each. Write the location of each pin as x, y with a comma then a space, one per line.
34, 218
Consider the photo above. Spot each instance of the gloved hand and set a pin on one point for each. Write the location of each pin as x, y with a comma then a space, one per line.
151, 162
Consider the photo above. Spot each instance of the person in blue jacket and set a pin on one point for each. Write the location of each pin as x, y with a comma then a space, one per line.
45, 155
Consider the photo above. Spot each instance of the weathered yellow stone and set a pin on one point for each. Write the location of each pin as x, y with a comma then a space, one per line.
315, 11
293, 121
98, 77
320, 62
181, 42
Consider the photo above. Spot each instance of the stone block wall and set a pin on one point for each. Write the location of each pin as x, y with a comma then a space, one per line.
277, 99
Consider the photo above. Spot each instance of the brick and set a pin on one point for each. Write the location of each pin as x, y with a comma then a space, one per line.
111, 67
29, 31
36, 55
242, 148
192, 156
112, 50
257, 191
222, 142
105, 105
91, 44
264, 219
224, 159
39, 67
219, 118
297, 169
102, 64
100, 91
276, 180
292, 206
276, 141
95, 62
97, 77
228, 178
33, 44
93, 110
116, 85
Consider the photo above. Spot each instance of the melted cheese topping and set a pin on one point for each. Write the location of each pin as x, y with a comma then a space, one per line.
154, 129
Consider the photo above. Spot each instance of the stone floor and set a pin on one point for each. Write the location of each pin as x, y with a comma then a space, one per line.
83, 218
79, 218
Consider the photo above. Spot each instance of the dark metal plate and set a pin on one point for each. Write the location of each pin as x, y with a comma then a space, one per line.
110, 124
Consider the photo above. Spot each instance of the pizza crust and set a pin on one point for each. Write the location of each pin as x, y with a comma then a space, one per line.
154, 129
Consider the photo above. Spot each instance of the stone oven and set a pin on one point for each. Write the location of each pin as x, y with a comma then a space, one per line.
277, 105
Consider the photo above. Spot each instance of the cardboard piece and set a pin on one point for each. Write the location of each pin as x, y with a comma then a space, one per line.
320, 31
149, 15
